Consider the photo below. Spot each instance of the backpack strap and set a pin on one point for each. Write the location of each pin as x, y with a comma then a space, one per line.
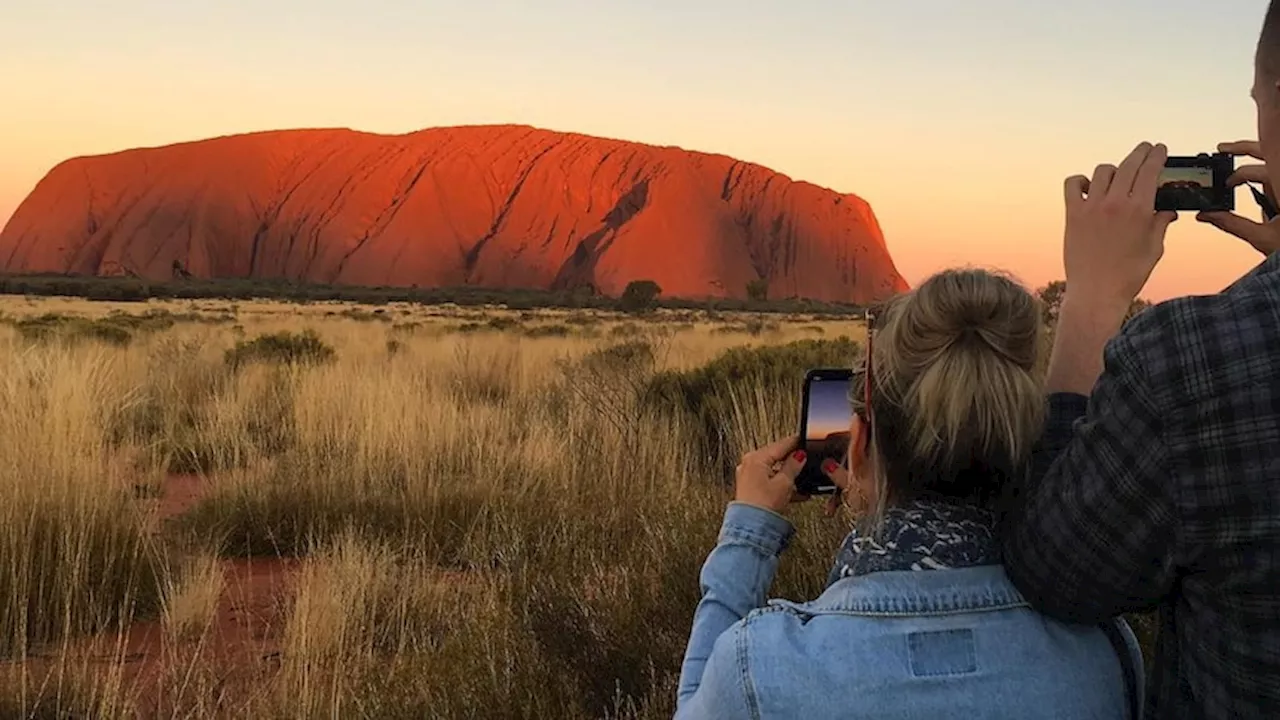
1125, 643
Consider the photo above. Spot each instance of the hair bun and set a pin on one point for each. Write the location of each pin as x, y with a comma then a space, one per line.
956, 398
968, 307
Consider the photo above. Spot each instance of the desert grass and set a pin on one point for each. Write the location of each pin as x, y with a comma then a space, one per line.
400, 511
496, 515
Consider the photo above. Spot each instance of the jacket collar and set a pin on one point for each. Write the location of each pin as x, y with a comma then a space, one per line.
906, 593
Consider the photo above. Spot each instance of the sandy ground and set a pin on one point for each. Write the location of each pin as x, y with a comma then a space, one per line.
241, 644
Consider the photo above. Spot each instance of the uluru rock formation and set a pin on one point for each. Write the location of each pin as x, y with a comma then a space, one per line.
493, 206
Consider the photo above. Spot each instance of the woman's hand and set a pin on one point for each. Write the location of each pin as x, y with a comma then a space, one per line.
766, 478
840, 478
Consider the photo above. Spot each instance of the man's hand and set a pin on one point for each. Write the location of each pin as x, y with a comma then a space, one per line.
761, 482
1114, 237
1113, 240
1263, 236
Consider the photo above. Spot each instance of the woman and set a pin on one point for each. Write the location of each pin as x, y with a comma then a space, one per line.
919, 619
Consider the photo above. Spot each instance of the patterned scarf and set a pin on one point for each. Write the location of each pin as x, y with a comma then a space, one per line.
922, 535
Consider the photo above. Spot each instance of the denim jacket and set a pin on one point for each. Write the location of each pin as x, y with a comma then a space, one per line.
957, 643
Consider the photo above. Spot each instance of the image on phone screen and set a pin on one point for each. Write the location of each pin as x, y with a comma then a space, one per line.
825, 426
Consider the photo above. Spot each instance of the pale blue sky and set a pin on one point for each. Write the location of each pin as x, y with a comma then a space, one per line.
957, 120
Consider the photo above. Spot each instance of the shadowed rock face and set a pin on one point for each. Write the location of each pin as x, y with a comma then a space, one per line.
495, 206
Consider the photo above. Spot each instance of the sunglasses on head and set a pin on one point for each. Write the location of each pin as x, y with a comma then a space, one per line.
866, 372
864, 411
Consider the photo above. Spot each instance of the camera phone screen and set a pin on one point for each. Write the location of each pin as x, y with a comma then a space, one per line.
829, 420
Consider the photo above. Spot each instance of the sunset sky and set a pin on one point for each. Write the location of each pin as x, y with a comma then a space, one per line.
829, 410
957, 120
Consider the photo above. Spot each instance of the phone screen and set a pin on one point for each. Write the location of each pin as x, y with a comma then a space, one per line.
828, 417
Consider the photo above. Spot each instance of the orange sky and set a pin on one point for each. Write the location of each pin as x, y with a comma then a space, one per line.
958, 123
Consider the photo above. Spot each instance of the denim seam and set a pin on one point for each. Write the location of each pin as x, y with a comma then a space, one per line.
744, 669
813, 612
767, 543
954, 610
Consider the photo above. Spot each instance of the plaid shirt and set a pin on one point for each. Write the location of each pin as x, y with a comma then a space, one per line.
1162, 490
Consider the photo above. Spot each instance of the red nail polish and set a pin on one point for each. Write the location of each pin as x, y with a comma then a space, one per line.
829, 466
798, 456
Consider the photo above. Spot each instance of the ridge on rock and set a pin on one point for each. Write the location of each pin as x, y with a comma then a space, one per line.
492, 206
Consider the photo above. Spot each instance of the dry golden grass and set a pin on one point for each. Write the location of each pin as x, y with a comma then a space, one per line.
191, 601
499, 519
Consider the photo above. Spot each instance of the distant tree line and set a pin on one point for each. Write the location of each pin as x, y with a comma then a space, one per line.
640, 296
1051, 296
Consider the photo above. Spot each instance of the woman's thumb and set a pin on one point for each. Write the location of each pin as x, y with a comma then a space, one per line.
836, 472
792, 466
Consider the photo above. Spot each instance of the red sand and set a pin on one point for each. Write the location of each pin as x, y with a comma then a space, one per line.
493, 206
178, 494
241, 645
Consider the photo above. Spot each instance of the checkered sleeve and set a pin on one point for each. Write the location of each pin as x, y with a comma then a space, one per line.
1091, 534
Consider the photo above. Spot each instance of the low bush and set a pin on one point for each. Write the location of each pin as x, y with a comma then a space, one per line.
640, 296
285, 347
549, 330
717, 398
67, 328
117, 328
362, 315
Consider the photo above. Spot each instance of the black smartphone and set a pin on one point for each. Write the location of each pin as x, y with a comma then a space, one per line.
1196, 183
826, 419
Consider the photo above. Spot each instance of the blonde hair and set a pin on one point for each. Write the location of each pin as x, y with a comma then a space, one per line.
956, 402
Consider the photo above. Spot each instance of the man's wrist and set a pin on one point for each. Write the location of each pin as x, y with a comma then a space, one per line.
1085, 324
1095, 309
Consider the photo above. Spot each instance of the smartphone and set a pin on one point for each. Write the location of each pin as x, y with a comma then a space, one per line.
1196, 183
826, 421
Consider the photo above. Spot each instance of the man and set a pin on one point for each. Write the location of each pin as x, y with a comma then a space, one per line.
1157, 483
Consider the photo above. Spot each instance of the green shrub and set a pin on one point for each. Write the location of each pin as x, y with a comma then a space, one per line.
757, 326
550, 330
502, 322
362, 315
286, 347
707, 396
117, 328
582, 319
68, 328
640, 296
631, 357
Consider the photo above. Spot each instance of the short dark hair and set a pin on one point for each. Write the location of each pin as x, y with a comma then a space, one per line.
1269, 41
